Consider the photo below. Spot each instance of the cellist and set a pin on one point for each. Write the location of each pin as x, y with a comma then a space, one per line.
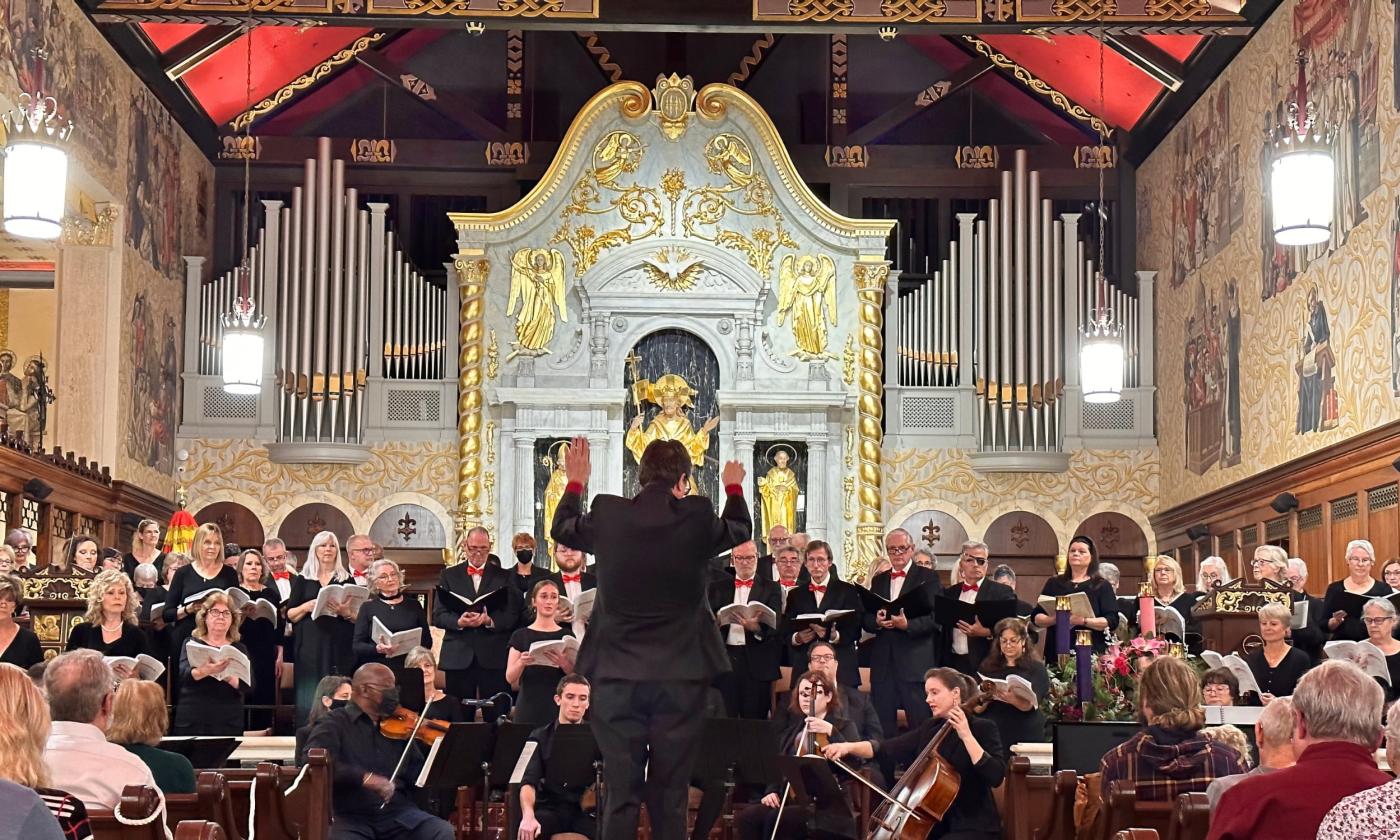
816, 715
975, 753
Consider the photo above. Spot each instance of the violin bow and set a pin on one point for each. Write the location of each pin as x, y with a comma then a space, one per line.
404, 755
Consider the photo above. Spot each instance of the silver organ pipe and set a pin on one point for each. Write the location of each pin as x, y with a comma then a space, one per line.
927, 331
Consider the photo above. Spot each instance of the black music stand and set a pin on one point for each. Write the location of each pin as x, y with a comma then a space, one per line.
815, 787
739, 751
574, 760
457, 761
411, 692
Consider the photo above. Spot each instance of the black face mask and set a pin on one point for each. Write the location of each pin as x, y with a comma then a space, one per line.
524, 556
388, 701
338, 704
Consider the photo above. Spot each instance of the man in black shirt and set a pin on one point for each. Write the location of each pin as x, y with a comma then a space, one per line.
366, 802
546, 807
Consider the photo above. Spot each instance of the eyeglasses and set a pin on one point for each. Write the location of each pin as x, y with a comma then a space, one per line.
219, 614
899, 549
746, 558
821, 657
1376, 621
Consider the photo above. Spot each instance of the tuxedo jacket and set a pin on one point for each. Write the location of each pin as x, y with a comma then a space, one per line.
903, 654
839, 596
762, 651
463, 647
652, 619
977, 648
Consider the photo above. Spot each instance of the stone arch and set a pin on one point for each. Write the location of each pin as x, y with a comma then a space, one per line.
1027, 543
935, 528
303, 523
1121, 541
407, 525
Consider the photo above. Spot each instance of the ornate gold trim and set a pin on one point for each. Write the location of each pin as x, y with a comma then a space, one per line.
870, 276
466, 8
4, 317
304, 81
472, 271
79, 230
223, 7
891, 11
1039, 86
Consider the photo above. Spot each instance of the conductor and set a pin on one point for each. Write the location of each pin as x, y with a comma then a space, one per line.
652, 646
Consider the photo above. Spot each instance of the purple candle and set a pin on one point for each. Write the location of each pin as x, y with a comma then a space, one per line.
1084, 665
1062, 629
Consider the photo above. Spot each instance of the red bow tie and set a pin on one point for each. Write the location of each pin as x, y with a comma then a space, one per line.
812, 587
787, 582
476, 571
738, 583
894, 575
970, 587
281, 575
578, 578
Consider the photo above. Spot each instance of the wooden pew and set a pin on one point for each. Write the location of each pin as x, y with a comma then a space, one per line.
210, 802
1028, 800
299, 809
140, 804
1191, 819
1188, 818
1058, 822
1136, 834
198, 830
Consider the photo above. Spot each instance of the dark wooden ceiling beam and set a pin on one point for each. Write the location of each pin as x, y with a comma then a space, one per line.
1149, 58
920, 103
445, 103
197, 49
140, 55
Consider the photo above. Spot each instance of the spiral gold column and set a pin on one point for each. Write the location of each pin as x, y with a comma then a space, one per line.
870, 389
471, 286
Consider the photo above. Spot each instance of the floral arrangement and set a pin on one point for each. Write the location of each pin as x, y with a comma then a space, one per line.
1115, 679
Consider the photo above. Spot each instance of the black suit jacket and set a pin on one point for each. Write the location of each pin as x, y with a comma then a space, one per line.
839, 596
762, 650
903, 654
653, 568
977, 648
488, 647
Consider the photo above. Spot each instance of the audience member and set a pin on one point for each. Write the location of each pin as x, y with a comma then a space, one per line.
1234, 738
79, 758
1338, 711
18, 645
1219, 687
24, 728
26, 816
110, 625
1373, 813
1273, 734
139, 722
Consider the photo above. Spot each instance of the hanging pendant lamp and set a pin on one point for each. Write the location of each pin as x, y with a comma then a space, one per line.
242, 352
1302, 171
1101, 355
36, 164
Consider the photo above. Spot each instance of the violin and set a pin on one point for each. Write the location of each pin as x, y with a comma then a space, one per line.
401, 725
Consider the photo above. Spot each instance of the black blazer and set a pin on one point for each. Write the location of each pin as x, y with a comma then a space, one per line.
977, 648
906, 654
839, 596
463, 647
762, 650
653, 570
974, 810
132, 642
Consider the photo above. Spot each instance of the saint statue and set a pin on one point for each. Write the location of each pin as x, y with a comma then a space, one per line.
777, 492
537, 285
554, 490
672, 393
807, 293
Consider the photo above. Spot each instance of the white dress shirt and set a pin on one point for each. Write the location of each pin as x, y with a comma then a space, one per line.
968, 596
896, 584
736, 631
83, 763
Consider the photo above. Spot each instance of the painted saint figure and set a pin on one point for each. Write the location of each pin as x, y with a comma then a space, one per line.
777, 492
672, 393
537, 285
807, 292
1317, 393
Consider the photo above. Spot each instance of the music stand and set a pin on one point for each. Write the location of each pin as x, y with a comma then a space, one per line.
814, 785
458, 760
574, 761
737, 750
411, 692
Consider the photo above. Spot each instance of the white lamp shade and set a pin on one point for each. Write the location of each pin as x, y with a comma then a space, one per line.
1101, 369
243, 361
36, 183
1301, 185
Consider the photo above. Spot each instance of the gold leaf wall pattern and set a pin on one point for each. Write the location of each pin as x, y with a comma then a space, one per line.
1354, 281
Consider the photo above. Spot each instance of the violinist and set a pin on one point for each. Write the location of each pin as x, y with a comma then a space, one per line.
972, 749
815, 720
366, 803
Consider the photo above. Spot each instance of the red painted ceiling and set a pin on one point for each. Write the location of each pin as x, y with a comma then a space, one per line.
166, 35
1070, 64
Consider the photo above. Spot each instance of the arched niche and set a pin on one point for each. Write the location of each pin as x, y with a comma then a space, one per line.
1027, 544
308, 520
1122, 542
685, 354
408, 526
238, 524
941, 533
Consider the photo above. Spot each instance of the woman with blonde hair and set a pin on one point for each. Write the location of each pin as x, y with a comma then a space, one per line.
325, 645
1277, 665
261, 631
145, 547
206, 571
139, 721
110, 625
1169, 590
7, 559
24, 731
211, 702
1169, 756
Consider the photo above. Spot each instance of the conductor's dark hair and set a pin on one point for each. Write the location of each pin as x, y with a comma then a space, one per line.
568, 680
666, 461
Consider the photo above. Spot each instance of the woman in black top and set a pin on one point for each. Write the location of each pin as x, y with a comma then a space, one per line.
395, 609
110, 626
325, 645
145, 548
207, 571
1081, 574
262, 634
211, 703
440, 704
1379, 618
1018, 719
535, 676
525, 574
1345, 598
1277, 666
332, 692
18, 645
1168, 589
972, 747
81, 553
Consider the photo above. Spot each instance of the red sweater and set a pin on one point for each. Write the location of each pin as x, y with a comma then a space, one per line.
1291, 803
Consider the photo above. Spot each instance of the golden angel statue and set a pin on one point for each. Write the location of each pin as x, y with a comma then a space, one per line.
537, 285
672, 393
807, 292
554, 490
777, 492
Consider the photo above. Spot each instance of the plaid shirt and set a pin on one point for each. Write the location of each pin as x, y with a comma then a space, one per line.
69, 811
1163, 763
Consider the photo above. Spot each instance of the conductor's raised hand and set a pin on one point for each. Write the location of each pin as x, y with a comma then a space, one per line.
576, 463
733, 473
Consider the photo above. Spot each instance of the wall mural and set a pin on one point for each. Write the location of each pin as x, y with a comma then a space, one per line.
1212, 380
155, 364
1207, 206
153, 185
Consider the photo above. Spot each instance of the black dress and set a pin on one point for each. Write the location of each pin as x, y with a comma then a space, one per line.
1351, 628
1392, 691
973, 813
534, 702
129, 564
23, 650
405, 615
133, 641
209, 706
1014, 725
1281, 679
188, 581
1101, 598
324, 646
263, 638
1310, 637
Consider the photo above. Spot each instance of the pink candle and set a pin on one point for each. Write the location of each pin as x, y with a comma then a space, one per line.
1147, 611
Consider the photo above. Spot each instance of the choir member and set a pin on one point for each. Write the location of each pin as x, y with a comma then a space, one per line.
79, 558
547, 807
902, 648
174, 562
1343, 613
1169, 590
576, 581
1220, 687
1212, 573
1018, 718
753, 647
439, 704
111, 559
207, 571
322, 645
1276, 665
778, 537
18, 645
1390, 574
1081, 574
359, 553
788, 571
275, 556
525, 574
210, 702
1006, 576
964, 646
145, 547
18, 540
535, 675
924, 558
332, 692
7, 560
823, 594
111, 626
396, 609
972, 747
476, 642
262, 636
1379, 619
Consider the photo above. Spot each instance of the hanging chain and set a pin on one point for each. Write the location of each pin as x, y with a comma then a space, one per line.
1100, 309
245, 280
